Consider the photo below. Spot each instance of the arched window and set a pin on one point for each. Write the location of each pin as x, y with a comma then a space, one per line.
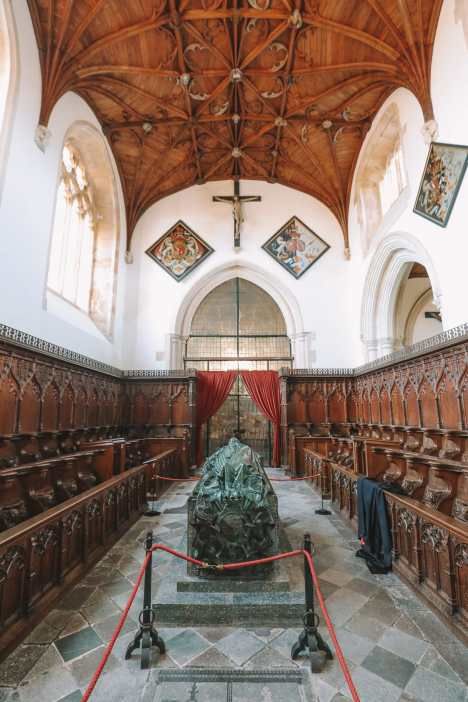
8, 66
238, 326
381, 177
85, 234
71, 255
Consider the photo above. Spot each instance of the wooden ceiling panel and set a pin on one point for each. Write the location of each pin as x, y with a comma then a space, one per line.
189, 91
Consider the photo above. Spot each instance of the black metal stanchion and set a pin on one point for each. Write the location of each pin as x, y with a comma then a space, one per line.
310, 638
322, 509
147, 635
154, 486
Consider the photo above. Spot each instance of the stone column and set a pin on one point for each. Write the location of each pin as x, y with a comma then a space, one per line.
300, 346
175, 348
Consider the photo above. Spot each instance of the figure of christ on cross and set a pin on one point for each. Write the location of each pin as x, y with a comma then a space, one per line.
236, 201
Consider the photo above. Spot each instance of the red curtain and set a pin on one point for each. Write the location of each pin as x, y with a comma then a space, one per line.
264, 389
213, 387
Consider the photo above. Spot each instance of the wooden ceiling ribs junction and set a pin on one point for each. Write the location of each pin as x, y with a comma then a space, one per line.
189, 91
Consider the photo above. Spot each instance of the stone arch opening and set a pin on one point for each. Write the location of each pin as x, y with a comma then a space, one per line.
382, 328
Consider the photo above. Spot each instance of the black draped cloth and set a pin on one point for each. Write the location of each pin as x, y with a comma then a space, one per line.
373, 526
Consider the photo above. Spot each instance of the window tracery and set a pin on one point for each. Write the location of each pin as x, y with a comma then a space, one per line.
73, 239
381, 177
83, 258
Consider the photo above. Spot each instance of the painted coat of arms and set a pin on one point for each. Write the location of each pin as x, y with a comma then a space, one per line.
296, 247
443, 174
179, 250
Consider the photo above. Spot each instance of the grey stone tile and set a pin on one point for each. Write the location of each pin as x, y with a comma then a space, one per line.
455, 653
117, 586
363, 587
269, 658
240, 646
43, 633
75, 623
405, 624
372, 688
186, 645
271, 691
72, 697
389, 666
83, 668
119, 686
343, 604
214, 634
322, 690
431, 687
403, 645
105, 629
211, 658
50, 659
264, 634
15, 668
77, 644
432, 660
355, 648
366, 626
99, 608
387, 614
285, 641
48, 687
336, 576
75, 599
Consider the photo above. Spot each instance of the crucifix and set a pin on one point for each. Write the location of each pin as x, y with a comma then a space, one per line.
236, 201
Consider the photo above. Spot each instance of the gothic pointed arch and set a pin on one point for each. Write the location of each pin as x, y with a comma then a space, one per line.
390, 265
286, 302
84, 246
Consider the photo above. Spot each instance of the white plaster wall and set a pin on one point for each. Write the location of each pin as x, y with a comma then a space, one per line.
154, 298
446, 247
26, 216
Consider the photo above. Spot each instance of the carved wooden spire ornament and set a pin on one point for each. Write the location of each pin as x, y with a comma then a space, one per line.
178, 86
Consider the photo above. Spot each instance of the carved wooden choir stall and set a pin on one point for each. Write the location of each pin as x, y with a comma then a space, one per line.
82, 445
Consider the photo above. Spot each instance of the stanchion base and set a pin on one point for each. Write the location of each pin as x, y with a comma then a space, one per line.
146, 638
322, 511
310, 639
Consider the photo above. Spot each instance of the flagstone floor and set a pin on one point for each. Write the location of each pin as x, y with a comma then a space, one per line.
397, 649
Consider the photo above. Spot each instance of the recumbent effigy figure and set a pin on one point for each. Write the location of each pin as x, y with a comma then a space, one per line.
233, 510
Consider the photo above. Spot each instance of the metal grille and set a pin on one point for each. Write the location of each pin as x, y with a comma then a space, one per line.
238, 326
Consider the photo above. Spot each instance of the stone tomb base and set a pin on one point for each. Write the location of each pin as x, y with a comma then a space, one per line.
276, 599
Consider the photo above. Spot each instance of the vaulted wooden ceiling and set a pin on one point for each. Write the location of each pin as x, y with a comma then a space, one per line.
196, 90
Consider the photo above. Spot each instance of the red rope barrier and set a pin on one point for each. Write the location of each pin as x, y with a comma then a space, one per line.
226, 566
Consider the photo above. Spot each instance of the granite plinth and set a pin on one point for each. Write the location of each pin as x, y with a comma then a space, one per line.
273, 600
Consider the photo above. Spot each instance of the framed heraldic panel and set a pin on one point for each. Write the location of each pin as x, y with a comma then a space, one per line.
442, 177
179, 250
296, 247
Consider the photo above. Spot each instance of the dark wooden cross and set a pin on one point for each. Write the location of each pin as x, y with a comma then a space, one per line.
236, 201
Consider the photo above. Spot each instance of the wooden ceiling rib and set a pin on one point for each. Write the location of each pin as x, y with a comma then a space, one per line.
194, 90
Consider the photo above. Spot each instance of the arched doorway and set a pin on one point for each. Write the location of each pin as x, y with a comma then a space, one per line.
238, 326
388, 283
416, 315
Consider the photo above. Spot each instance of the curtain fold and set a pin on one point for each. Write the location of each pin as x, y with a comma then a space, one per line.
264, 389
213, 387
